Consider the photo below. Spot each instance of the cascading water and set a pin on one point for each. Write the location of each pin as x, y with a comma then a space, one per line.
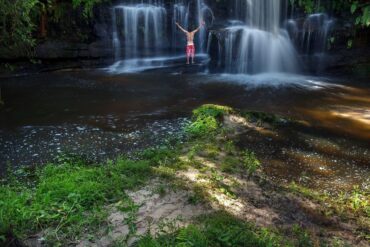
180, 15
260, 44
258, 38
312, 37
142, 30
251, 50
202, 11
139, 33
261, 14
316, 31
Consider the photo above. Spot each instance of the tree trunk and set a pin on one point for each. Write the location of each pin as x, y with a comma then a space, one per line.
43, 23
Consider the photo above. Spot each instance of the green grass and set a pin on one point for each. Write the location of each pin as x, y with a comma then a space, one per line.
356, 201
216, 230
230, 164
67, 198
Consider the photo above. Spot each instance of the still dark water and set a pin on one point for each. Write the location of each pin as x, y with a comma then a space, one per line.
101, 116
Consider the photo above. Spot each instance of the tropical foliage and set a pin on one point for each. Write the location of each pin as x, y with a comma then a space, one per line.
17, 24
20, 19
359, 9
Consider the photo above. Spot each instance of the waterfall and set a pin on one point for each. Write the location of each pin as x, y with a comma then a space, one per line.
116, 41
180, 15
261, 14
251, 50
141, 28
258, 37
260, 44
315, 33
312, 37
202, 11
140, 37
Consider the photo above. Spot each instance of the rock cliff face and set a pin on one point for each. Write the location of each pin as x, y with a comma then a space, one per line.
91, 41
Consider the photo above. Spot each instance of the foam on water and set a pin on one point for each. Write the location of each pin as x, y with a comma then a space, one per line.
274, 80
136, 65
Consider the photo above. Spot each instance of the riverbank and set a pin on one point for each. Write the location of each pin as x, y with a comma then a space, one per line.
186, 192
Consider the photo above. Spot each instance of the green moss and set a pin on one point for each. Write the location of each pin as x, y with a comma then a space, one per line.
206, 120
259, 117
210, 110
202, 126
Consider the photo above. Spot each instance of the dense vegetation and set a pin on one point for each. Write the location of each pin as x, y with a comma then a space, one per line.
23, 22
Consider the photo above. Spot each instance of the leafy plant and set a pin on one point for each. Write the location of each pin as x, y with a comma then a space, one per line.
191, 236
251, 163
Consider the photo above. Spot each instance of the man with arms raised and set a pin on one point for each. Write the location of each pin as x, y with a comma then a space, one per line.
190, 47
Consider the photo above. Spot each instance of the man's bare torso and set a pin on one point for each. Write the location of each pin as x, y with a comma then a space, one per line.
190, 37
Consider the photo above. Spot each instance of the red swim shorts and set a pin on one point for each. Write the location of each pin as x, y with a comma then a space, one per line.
190, 50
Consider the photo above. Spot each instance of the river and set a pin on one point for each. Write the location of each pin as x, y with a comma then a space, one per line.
100, 116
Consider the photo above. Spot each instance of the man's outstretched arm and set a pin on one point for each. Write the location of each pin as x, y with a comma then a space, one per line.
202, 23
181, 28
